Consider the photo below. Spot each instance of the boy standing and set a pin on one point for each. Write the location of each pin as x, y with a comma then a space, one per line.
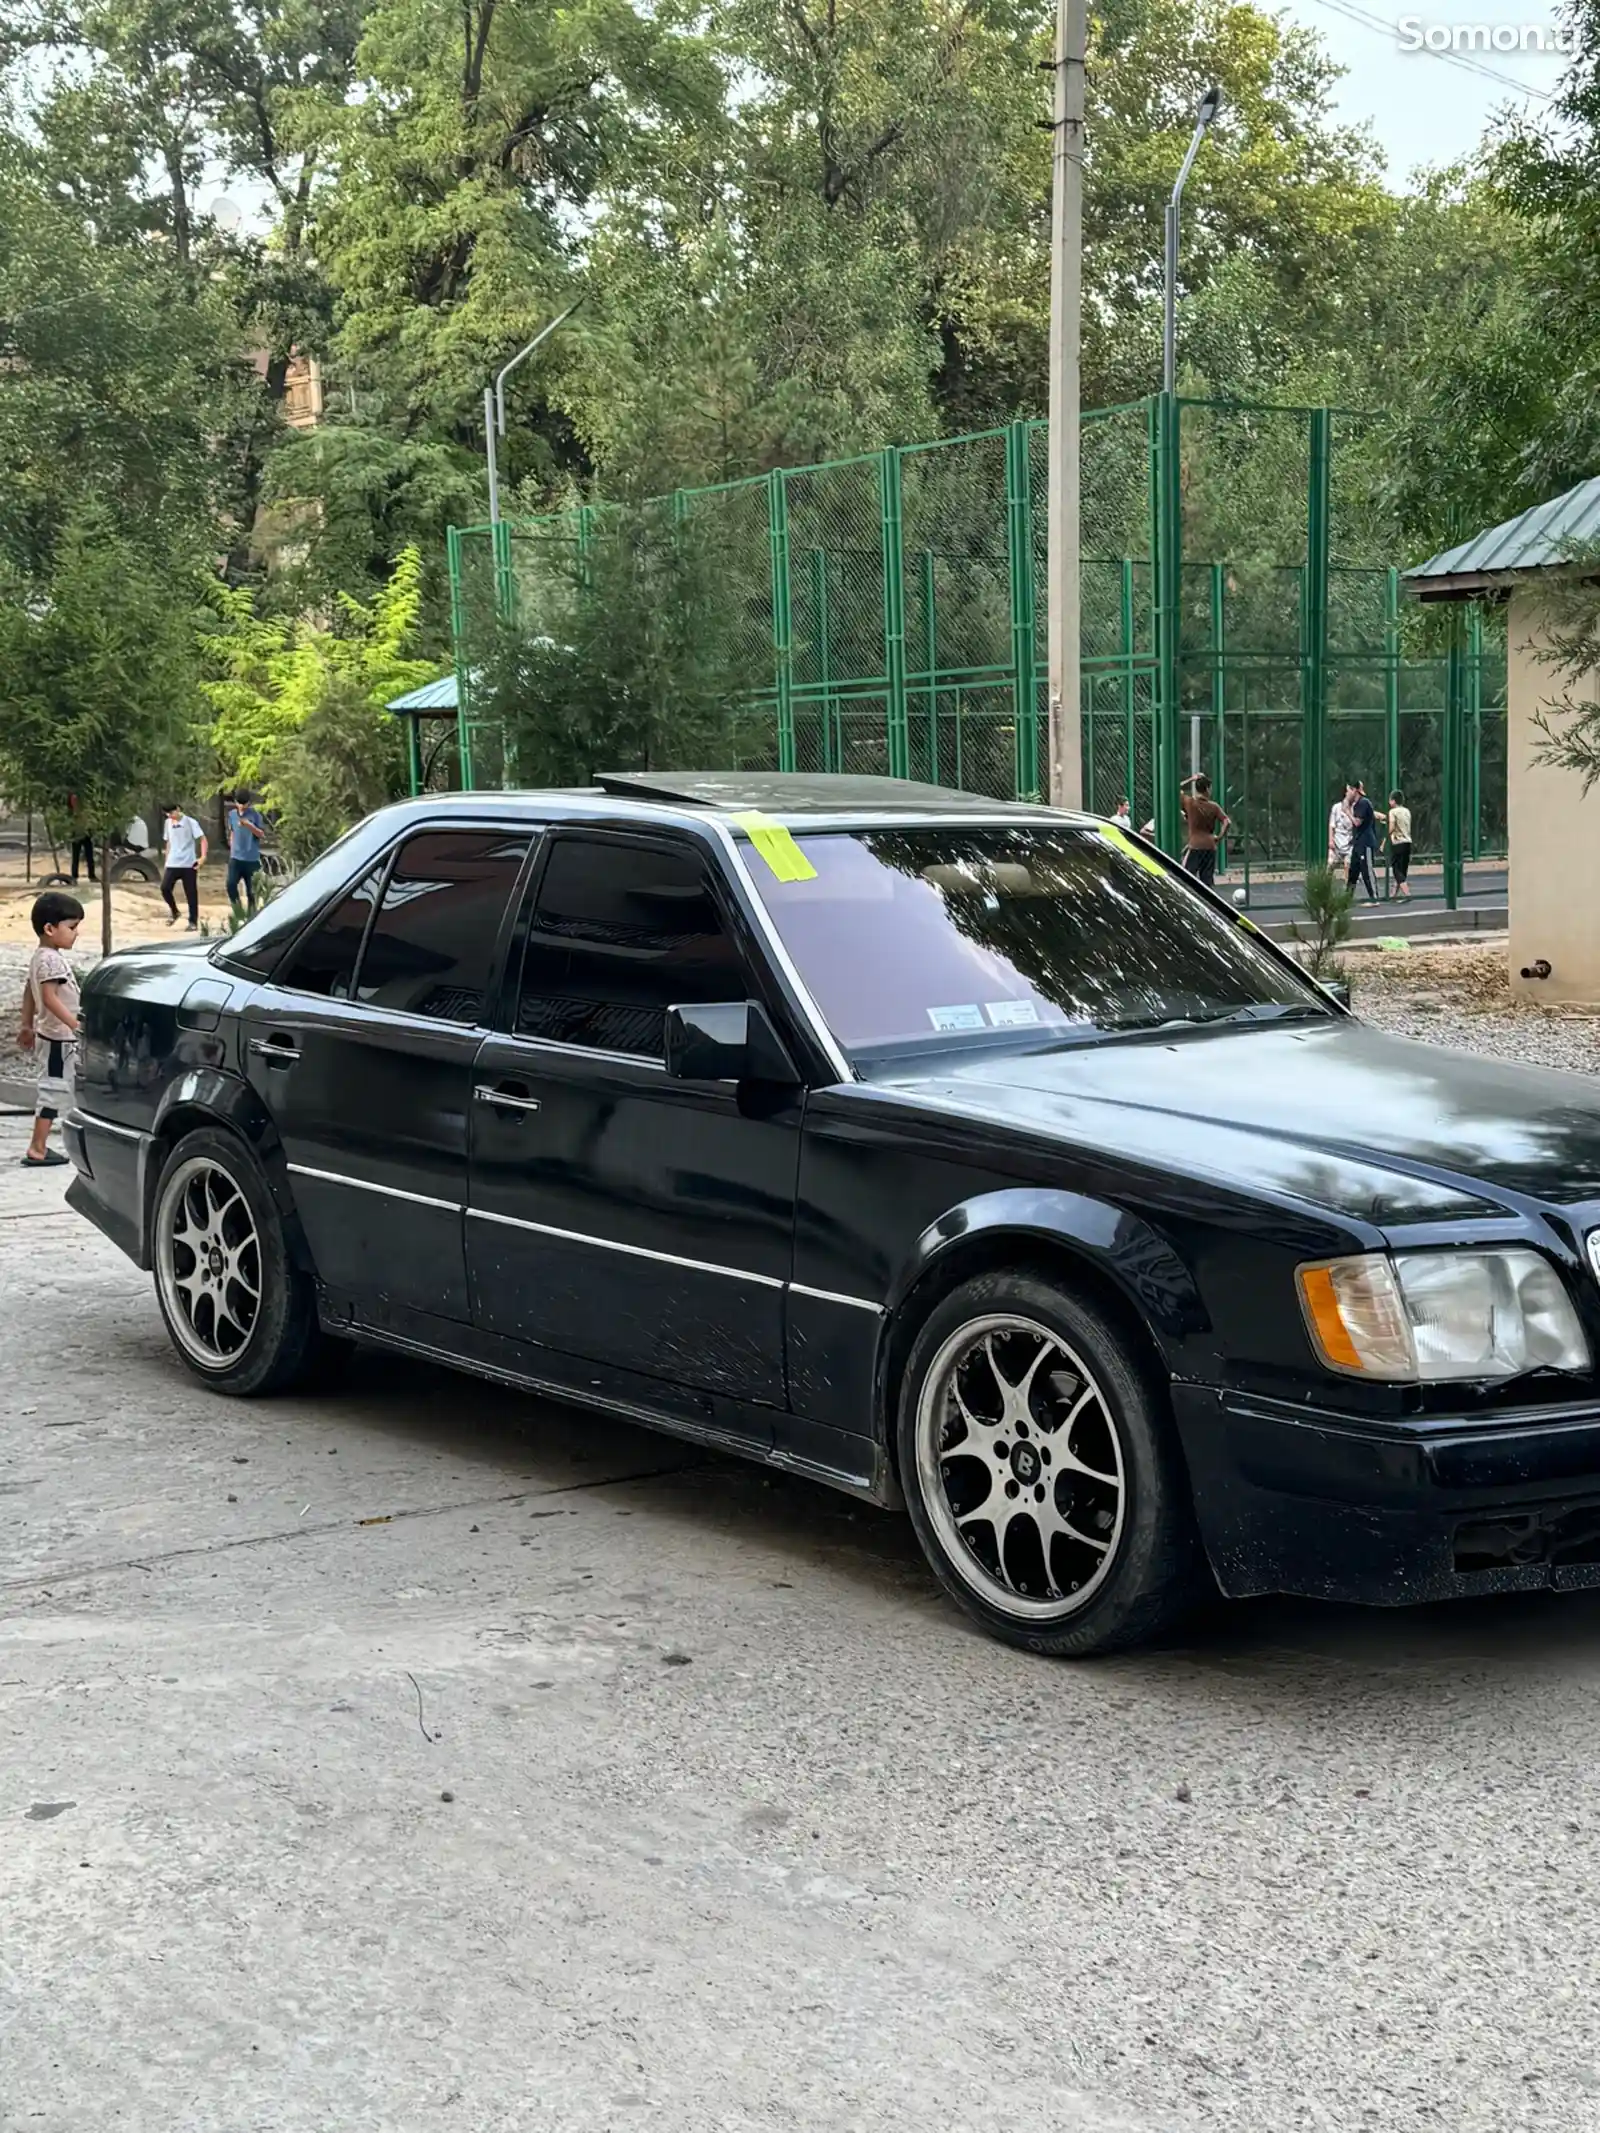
50, 1018
245, 826
184, 845
1400, 840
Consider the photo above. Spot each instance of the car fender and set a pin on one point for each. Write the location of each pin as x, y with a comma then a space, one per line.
1135, 1257
212, 1096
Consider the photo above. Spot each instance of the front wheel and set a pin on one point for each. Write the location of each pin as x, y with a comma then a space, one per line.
239, 1312
1041, 1472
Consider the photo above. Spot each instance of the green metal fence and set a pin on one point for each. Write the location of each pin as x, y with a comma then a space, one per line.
1241, 613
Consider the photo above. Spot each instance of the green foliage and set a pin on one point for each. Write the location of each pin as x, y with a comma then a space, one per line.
297, 709
629, 666
114, 381
114, 386
1568, 724
97, 674
1326, 901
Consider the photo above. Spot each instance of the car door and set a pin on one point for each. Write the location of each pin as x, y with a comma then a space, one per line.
617, 1214
362, 1050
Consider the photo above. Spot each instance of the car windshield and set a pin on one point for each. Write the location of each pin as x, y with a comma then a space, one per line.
914, 940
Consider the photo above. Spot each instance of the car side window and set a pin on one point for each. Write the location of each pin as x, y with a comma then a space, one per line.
431, 945
325, 961
620, 933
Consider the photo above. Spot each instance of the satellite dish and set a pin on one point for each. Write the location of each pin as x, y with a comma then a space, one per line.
226, 214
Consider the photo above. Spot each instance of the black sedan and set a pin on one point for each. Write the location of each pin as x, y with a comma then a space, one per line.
949, 1153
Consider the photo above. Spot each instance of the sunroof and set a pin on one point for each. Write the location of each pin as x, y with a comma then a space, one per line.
792, 792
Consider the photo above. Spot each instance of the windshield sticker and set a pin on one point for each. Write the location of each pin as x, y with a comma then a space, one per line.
1011, 1014
782, 855
956, 1017
1138, 852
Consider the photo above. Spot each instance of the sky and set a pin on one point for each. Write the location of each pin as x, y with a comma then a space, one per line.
1424, 108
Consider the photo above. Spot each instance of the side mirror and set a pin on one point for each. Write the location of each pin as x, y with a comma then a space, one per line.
726, 1041
1338, 990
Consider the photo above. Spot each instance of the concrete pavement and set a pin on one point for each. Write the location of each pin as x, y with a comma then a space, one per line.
423, 1757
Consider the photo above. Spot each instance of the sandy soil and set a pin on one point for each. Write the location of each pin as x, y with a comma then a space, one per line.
137, 912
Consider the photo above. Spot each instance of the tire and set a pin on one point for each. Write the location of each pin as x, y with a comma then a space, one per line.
132, 870
1092, 1546
240, 1313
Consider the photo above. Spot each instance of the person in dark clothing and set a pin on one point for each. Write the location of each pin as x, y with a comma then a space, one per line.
1365, 818
82, 847
1205, 823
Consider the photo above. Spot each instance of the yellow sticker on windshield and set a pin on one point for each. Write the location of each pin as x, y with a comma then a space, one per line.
1139, 852
777, 848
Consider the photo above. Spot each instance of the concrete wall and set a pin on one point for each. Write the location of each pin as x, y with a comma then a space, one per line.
1554, 831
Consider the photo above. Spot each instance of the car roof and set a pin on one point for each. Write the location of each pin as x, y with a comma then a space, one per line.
804, 799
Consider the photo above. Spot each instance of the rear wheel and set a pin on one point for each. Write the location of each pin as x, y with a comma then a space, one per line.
1041, 1471
239, 1312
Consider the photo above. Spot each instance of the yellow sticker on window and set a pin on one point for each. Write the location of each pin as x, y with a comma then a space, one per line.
777, 848
1137, 850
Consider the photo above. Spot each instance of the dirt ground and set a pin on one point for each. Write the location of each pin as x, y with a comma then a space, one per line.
137, 912
1471, 977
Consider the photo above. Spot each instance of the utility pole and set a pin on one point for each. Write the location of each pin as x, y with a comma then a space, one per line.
1066, 308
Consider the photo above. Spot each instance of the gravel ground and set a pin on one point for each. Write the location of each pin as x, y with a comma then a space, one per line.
1461, 995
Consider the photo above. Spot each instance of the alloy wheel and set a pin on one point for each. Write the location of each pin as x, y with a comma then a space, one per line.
1021, 1468
208, 1263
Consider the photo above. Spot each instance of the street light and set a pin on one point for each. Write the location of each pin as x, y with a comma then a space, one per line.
1210, 104
494, 406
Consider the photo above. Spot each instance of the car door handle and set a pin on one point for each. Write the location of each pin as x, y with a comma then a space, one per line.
504, 1099
278, 1051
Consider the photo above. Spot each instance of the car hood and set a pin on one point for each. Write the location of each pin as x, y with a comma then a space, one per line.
1334, 1112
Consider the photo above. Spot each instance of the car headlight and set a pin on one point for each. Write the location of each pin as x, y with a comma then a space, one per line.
1433, 1316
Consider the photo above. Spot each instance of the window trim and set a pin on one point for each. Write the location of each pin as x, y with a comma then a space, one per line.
383, 864
291, 955
643, 837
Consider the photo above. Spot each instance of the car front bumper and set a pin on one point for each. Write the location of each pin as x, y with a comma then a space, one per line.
1389, 1514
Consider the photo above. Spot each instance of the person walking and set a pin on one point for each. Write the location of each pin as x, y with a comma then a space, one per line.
1205, 824
184, 848
1123, 817
1364, 820
1400, 842
245, 827
1341, 827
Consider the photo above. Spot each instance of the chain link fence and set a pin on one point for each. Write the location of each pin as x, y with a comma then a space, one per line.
1241, 614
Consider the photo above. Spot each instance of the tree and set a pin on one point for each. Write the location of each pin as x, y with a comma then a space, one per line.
97, 677
114, 382
297, 710
137, 106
